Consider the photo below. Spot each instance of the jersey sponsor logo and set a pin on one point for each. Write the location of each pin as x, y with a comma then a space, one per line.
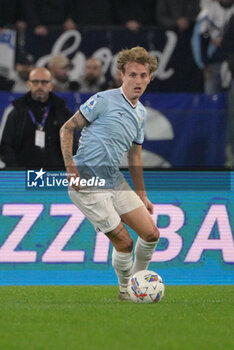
120, 113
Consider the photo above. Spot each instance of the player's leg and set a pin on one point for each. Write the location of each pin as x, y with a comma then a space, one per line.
122, 257
134, 213
99, 210
142, 223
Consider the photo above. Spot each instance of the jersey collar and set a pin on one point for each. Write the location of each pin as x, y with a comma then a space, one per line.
125, 97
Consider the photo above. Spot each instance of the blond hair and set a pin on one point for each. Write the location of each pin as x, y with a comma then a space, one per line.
139, 55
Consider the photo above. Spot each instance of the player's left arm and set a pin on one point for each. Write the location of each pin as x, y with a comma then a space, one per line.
136, 171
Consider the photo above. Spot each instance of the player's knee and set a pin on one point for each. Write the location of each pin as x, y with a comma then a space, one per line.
153, 235
125, 246
128, 245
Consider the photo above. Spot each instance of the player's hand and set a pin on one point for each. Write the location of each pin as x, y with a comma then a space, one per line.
73, 176
148, 204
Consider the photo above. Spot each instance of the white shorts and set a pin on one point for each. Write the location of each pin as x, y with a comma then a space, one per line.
104, 207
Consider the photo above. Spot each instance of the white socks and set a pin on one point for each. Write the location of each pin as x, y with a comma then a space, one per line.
122, 263
143, 254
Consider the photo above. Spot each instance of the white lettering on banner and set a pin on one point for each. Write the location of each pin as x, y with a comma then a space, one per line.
175, 241
165, 56
30, 213
55, 252
60, 43
101, 248
216, 213
105, 54
114, 64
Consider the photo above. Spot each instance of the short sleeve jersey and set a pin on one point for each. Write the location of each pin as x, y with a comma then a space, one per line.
114, 124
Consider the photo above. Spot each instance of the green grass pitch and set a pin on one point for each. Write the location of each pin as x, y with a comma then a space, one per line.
91, 318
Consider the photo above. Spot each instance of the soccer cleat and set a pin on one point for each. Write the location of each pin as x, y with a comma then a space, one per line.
124, 296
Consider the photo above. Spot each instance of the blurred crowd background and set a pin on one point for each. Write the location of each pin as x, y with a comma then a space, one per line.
78, 42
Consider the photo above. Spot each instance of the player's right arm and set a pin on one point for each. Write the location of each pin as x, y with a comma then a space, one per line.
75, 123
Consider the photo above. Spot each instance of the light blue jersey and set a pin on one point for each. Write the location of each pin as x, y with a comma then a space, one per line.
114, 125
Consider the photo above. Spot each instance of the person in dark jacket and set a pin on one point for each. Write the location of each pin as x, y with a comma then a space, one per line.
180, 14
133, 14
31, 135
40, 14
91, 13
11, 15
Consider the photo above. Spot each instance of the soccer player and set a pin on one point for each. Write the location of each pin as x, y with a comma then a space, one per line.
113, 123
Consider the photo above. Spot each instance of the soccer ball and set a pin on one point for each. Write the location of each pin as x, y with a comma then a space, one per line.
146, 287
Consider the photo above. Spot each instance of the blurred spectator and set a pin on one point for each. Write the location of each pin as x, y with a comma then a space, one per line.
6, 84
205, 3
133, 14
115, 82
31, 135
40, 14
228, 46
23, 66
96, 12
10, 14
179, 14
93, 80
59, 66
207, 40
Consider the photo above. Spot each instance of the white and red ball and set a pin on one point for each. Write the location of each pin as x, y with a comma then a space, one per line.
146, 287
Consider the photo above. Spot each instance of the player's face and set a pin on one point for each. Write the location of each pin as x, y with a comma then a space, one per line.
135, 80
40, 84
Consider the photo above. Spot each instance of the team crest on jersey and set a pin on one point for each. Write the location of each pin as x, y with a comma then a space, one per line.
90, 104
140, 120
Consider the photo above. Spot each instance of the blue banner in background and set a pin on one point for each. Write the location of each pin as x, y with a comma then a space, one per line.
181, 130
186, 129
45, 239
177, 70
